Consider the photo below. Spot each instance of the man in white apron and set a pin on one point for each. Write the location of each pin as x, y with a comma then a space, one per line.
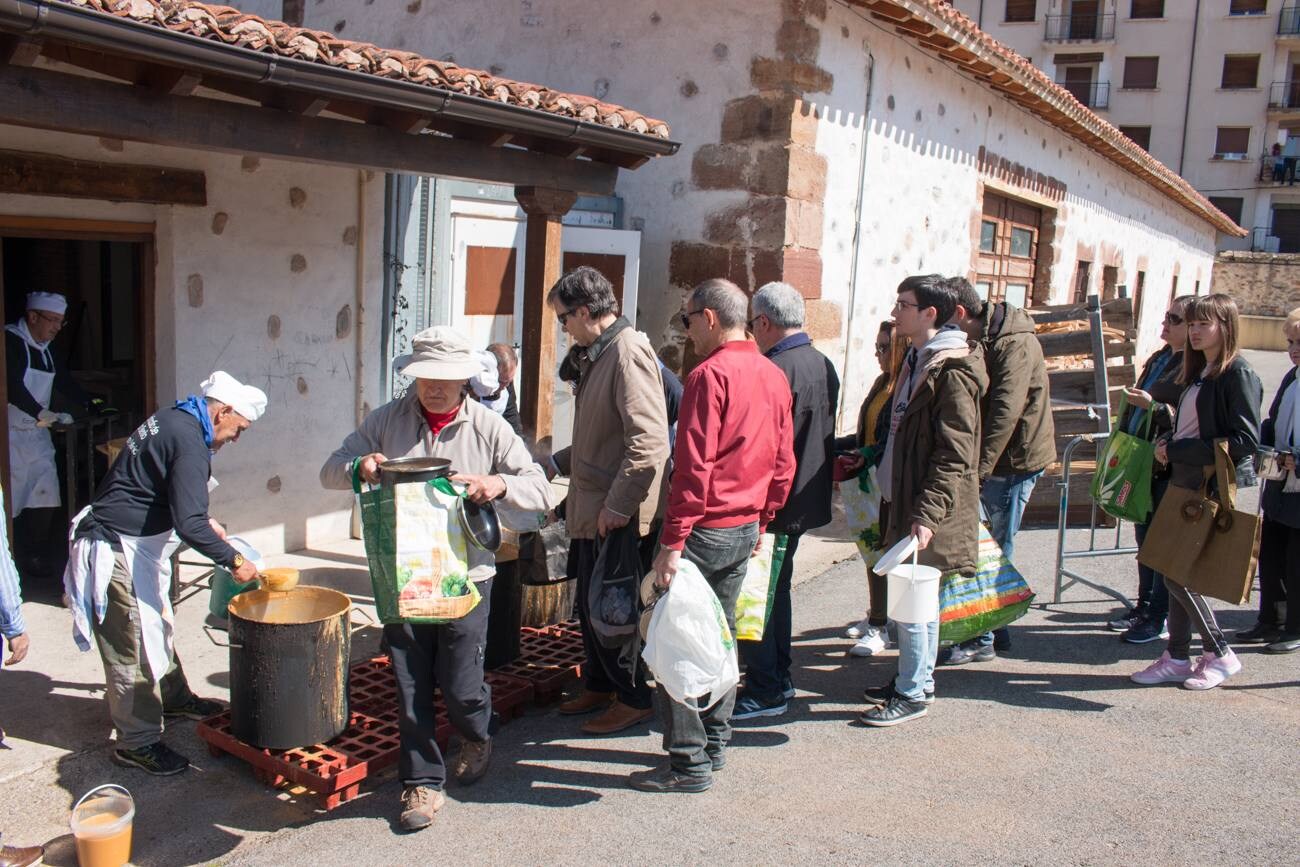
36, 392
154, 497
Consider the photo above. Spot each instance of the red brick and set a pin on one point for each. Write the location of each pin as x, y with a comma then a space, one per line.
767, 73
720, 166
690, 264
799, 267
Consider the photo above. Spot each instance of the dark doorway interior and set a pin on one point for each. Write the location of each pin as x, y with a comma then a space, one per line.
101, 347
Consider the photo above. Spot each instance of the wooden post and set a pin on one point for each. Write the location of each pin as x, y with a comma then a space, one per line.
545, 208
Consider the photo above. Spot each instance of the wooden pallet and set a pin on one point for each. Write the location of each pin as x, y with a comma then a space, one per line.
334, 771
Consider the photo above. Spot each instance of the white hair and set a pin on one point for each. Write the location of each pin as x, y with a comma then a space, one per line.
781, 303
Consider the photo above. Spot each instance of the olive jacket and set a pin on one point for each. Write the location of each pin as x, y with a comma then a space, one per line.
1018, 435
935, 479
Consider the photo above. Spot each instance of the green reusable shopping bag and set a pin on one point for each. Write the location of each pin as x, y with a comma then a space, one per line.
758, 590
1122, 484
416, 551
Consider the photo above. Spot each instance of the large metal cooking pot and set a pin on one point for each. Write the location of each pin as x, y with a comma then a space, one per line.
401, 471
289, 666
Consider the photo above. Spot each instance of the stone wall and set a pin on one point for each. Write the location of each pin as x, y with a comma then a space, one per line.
1262, 284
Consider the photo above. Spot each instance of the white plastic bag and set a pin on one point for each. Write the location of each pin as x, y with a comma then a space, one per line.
688, 646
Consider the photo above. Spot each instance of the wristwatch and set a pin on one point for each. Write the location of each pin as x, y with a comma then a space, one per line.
238, 562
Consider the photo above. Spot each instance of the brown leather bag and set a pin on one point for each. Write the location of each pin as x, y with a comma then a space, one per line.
1210, 547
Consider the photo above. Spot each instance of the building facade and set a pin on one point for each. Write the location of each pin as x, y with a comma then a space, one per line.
1207, 86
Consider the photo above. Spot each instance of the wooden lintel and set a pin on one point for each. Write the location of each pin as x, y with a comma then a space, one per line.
545, 208
41, 175
54, 100
20, 50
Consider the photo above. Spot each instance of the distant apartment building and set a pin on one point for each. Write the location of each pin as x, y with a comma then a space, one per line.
1208, 87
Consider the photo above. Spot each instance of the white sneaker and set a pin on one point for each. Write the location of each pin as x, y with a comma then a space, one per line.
858, 629
873, 641
1212, 670
1166, 669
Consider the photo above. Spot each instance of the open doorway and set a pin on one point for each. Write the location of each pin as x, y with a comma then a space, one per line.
104, 351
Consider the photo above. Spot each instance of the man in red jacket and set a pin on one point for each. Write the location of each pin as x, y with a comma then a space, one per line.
734, 465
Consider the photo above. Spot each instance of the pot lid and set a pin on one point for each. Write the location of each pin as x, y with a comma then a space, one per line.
902, 551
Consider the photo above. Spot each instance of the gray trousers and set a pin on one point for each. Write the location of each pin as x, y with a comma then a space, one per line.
691, 735
135, 702
1188, 609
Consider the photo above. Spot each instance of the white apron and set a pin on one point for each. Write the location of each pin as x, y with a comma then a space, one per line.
90, 568
33, 475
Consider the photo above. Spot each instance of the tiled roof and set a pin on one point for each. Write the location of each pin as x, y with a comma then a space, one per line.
233, 27
942, 30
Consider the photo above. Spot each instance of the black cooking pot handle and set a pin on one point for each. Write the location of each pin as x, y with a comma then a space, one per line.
213, 638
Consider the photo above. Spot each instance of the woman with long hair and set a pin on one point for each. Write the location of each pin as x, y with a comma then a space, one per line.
1220, 401
1156, 394
873, 429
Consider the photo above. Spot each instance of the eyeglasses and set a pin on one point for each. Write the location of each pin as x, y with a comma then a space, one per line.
1173, 319
749, 323
564, 317
52, 319
685, 318
901, 303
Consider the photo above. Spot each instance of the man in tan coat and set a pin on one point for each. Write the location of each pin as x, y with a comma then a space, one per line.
615, 468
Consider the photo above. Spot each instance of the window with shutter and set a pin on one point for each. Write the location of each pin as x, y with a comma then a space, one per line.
1021, 10
1147, 9
1140, 134
1247, 7
1141, 73
1240, 71
1230, 205
1233, 140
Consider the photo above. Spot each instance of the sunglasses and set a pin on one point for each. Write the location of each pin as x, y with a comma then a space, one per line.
1173, 319
685, 318
882, 348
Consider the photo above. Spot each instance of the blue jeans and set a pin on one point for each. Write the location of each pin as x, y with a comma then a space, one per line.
692, 735
918, 649
767, 662
1002, 504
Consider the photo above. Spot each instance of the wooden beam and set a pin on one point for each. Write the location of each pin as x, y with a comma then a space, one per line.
404, 121
19, 50
171, 80
40, 175
53, 100
542, 262
295, 102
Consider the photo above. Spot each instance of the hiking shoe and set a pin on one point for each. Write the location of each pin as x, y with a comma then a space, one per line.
874, 640
1260, 633
586, 703
882, 694
157, 759
197, 709
891, 713
1166, 669
1127, 622
1212, 670
858, 629
752, 707
616, 718
419, 806
472, 761
1146, 631
665, 780
961, 654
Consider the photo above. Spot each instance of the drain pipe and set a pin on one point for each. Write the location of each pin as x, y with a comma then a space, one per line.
359, 321
1191, 67
857, 229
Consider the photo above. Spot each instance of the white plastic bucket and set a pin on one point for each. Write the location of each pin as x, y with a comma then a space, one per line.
101, 823
913, 593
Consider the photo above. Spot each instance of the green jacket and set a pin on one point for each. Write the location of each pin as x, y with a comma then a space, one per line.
934, 474
1018, 435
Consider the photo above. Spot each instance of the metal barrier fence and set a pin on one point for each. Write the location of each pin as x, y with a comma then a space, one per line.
1115, 548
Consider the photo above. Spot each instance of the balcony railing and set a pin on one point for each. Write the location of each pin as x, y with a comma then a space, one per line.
1068, 28
1288, 23
1094, 94
1284, 95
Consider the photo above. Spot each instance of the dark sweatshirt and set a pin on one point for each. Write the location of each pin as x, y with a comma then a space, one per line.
159, 482
67, 396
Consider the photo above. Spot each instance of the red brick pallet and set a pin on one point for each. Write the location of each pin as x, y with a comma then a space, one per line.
550, 658
334, 771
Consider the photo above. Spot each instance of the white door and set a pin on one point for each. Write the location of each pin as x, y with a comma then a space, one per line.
488, 266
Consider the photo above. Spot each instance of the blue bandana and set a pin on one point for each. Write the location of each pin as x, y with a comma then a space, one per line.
198, 407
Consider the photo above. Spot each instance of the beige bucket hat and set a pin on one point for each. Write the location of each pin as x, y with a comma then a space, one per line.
439, 352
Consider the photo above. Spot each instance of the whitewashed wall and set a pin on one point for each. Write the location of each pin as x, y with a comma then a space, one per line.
246, 271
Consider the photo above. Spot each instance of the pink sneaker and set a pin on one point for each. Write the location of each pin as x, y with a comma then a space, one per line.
1212, 670
1166, 669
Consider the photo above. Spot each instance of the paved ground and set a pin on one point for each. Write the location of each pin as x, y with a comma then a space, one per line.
1048, 755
